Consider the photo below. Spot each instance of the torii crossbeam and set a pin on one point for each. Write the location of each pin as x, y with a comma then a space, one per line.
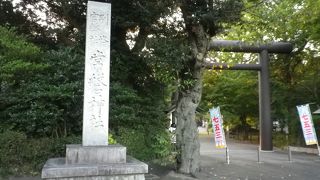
264, 84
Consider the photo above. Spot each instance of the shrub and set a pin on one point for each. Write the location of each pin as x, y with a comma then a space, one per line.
48, 99
280, 140
143, 145
11, 151
134, 140
111, 139
162, 148
22, 156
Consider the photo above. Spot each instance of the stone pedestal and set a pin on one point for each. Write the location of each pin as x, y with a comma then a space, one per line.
94, 163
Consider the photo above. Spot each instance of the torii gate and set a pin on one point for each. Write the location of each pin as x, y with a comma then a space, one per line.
264, 84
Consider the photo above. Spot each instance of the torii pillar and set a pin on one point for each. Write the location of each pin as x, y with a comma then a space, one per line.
264, 83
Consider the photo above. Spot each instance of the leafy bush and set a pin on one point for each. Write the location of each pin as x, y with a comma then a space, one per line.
135, 141
50, 102
279, 140
111, 139
162, 147
40, 93
139, 122
11, 151
22, 156
155, 144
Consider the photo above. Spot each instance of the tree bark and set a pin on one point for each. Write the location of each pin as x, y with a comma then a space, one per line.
188, 145
187, 133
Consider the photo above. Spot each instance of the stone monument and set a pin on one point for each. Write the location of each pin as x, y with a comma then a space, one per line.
95, 159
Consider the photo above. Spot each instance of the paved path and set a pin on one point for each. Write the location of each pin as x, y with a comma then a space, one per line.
244, 164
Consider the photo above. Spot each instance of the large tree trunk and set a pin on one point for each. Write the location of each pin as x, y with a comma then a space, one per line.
188, 145
187, 132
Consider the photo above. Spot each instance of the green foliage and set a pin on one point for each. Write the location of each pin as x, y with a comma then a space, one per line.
19, 62
22, 156
235, 92
124, 103
166, 56
18, 58
15, 46
111, 139
161, 144
139, 123
11, 150
133, 111
135, 141
280, 140
146, 144
49, 102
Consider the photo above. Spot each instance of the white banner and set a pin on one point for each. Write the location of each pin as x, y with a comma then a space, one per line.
217, 126
309, 133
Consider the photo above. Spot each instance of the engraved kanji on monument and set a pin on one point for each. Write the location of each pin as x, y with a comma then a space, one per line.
97, 75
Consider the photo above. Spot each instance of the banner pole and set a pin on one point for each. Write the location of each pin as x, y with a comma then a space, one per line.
289, 154
227, 155
258, 154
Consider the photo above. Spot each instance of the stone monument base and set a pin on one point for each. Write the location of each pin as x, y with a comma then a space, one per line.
91, 163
